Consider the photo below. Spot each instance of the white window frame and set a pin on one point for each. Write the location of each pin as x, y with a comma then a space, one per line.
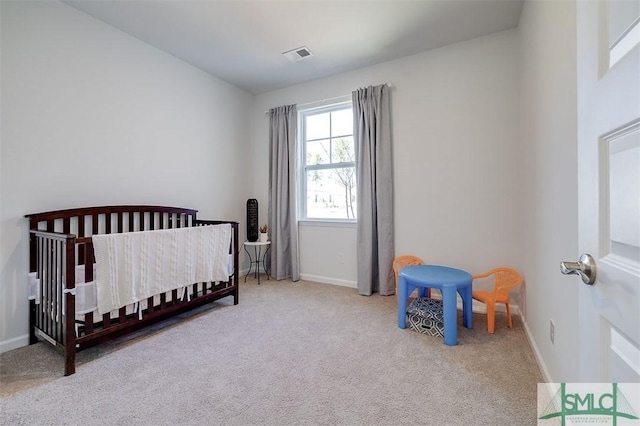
303, 168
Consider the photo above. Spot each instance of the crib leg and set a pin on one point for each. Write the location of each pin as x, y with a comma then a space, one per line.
70, 329
32, 323
70, 360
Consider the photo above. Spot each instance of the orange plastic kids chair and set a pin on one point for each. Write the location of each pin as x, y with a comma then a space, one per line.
406, 260
505, 280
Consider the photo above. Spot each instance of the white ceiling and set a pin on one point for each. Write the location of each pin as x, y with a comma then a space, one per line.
242, 41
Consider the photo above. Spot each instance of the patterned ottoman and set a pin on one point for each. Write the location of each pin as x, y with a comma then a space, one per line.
424, 315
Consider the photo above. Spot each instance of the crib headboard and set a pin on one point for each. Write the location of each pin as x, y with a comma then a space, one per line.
86, 221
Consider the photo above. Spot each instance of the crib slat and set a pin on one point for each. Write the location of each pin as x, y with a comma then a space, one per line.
43, 279
122, 315
88, 323
81, 225
89, 261
59, 261
88, 276
40, 268
43, 287
49, 284
119, 215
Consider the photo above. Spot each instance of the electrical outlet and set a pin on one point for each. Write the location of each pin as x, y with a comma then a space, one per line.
552, 331
340, 257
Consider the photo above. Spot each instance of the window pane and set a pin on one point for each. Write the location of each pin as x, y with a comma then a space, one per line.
343, 150
318, 152
327, 141
342, 122
317, 126
331, 194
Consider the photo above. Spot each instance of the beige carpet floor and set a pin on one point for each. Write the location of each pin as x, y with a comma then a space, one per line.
289, 354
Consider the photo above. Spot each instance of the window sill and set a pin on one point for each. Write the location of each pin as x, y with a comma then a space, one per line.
328, 223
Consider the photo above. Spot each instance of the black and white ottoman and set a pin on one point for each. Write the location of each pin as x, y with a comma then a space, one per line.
424, 315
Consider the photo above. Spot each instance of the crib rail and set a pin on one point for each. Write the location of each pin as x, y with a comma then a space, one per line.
88, 221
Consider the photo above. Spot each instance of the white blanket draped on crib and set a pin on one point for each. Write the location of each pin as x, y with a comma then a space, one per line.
133, 266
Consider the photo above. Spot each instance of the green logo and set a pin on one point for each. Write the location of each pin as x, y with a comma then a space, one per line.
589, 403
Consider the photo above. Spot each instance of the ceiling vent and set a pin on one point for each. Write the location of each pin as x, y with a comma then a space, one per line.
298, 54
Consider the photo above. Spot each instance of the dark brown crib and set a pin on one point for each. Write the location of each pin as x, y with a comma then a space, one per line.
60, 243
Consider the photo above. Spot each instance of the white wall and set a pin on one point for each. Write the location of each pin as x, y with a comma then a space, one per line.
547, 34
92, 116
457, 164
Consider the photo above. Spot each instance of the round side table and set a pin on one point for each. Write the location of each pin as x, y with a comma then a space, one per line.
258, 257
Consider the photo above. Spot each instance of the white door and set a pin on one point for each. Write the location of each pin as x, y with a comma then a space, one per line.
609, 187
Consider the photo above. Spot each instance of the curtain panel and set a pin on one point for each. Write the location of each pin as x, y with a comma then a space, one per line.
375, 232
283, 222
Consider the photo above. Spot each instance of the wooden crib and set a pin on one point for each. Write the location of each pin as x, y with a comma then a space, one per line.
61, 246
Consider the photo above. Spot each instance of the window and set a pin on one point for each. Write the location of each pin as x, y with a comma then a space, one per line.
328, 183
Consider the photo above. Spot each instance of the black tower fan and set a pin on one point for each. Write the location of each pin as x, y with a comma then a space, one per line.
252, 219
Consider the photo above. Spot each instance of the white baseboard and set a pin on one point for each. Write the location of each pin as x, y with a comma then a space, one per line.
327, 280
541, 364
15, 343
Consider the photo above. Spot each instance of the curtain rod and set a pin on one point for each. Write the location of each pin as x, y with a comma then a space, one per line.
328, 99
317, 102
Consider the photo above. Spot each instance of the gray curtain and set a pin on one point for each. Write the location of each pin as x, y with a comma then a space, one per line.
372, 135
283, 223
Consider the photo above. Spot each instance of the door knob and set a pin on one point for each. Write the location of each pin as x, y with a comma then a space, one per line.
585, 267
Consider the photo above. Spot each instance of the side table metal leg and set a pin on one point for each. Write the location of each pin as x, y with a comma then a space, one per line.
264, 264
250, 263
257, 252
